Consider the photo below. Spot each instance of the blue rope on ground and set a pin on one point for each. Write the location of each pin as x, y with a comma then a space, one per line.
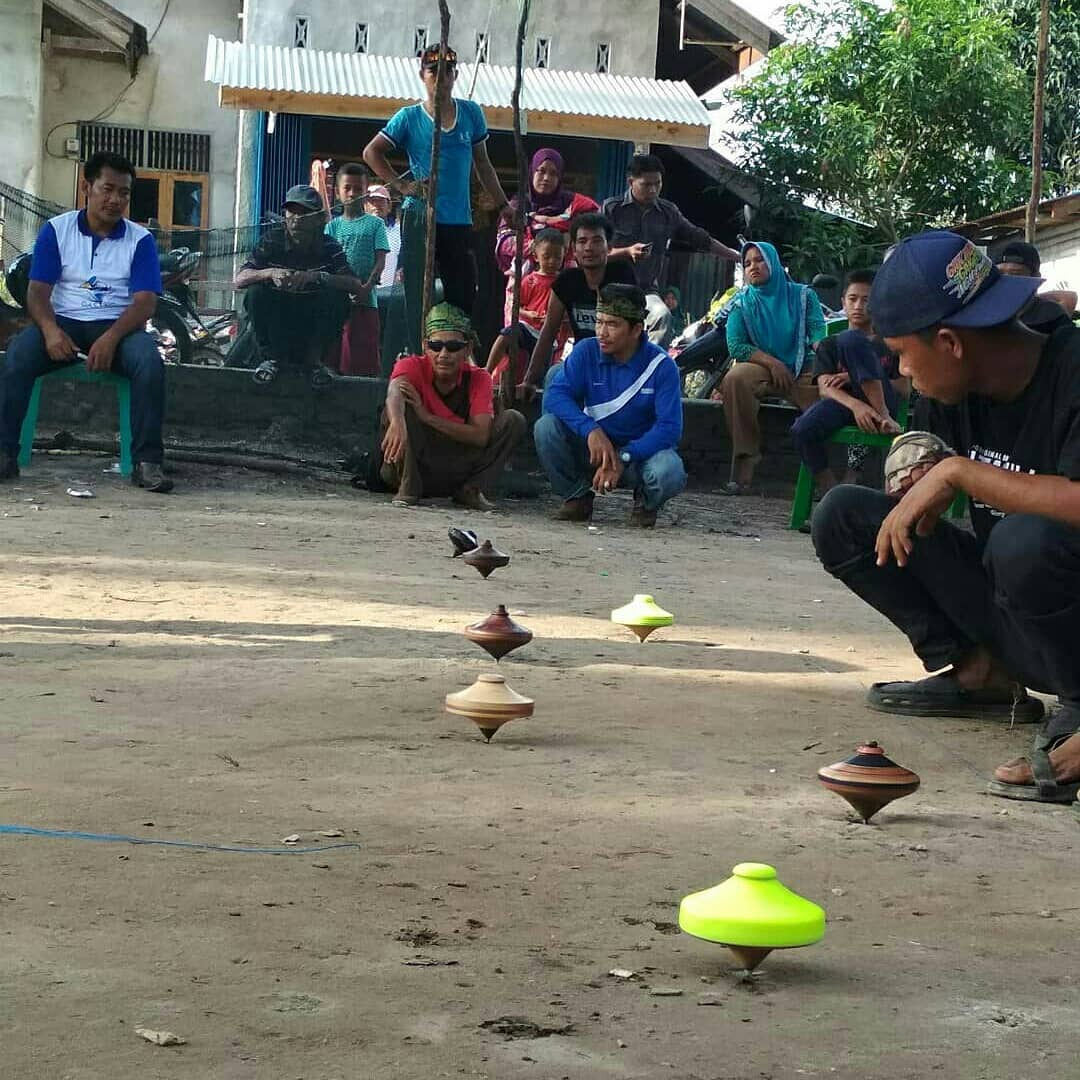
65, 834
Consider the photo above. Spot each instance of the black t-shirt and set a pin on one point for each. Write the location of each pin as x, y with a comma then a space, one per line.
276, 250
1044, 316
580, 301
1038, 433
830, 356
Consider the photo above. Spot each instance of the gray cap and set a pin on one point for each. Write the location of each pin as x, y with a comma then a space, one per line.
304, 195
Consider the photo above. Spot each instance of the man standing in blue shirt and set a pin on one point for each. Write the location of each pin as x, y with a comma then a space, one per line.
94, 283
613, 415
463, 144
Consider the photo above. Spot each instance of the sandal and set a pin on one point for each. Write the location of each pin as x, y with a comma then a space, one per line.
1045, 788
463, 540
732, 487
942, 695
266, 372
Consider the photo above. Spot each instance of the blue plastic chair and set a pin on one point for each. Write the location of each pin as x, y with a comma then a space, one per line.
79, 373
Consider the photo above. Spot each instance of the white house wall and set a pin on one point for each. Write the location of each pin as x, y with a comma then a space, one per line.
1059, 249
168, 93
20, 93
574, 28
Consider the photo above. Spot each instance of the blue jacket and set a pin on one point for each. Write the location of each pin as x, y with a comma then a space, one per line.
640, 413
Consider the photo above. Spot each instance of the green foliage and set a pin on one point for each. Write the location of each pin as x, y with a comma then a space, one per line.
906, 117
1061, 149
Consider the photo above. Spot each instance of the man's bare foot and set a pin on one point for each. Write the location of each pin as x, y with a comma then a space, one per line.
1064, 759
980, 670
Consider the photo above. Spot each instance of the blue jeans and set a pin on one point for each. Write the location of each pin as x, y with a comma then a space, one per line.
565, 457
136, 357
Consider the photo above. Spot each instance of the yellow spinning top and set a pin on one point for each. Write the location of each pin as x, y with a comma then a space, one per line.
752, 913
642, 615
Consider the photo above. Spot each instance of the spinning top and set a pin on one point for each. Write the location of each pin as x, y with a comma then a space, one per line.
752, 913
489, 703
486, 558
869, 780
463, 540
642, 615
498, 634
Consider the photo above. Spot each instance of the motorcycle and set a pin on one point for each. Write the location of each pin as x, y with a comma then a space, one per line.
701, 351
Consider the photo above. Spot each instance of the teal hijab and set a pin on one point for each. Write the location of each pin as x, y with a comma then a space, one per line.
775, 313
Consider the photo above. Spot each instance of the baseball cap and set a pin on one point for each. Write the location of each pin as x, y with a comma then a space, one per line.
942, 277
378, 191
1017, 251
304, 195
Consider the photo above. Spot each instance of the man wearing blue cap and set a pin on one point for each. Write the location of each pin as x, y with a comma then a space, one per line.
998, 609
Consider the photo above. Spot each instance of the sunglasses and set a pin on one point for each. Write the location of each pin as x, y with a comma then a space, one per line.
450, 346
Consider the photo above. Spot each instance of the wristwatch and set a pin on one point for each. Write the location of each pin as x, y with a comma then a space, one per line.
624, 457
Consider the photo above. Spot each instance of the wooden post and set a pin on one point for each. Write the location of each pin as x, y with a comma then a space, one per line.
1037, 127
433, 178
524, 188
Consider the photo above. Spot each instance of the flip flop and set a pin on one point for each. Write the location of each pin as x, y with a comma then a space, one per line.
942, 695
463, 540
1045, 789
734, 488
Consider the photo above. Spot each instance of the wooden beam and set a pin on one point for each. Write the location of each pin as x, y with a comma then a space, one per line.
538, 121
85, 48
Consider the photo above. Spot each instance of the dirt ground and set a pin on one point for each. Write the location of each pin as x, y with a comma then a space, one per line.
253, 658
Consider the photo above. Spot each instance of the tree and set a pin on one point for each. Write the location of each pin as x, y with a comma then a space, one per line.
904, 117
1061, 149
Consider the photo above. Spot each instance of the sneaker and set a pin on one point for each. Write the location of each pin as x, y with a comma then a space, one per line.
9, 466
151, 476
576, 509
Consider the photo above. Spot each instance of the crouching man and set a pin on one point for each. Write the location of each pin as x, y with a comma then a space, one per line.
994, 611
441, 435
613, 415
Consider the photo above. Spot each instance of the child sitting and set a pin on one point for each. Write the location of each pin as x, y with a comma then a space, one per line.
549, 248
859, 383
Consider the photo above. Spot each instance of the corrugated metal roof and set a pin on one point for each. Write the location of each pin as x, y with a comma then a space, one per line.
394, 78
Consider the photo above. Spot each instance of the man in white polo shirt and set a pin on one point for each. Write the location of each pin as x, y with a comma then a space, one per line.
94, 282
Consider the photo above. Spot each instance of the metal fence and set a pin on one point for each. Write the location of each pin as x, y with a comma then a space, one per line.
222, 250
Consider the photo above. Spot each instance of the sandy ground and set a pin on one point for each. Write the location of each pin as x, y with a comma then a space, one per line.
253, 658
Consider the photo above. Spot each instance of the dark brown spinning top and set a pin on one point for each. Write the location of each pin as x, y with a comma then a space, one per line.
868, 780
498, 634
486, 558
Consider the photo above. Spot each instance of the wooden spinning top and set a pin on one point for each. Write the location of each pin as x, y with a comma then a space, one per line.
489, 703
486, 558
868, 780
642, 615
752, 913
462, 540
498, 634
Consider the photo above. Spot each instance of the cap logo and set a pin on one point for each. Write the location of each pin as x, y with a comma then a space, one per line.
967, 271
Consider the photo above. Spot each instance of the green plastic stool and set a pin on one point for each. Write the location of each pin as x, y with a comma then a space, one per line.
79, 373
846, 436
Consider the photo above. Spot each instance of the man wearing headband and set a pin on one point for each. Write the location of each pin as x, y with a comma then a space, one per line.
613, 415
462, 146
995, 610
440, 436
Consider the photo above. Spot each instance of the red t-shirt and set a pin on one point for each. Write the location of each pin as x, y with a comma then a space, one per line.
419, 371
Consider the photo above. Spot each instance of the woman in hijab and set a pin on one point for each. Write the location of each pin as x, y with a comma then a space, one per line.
673, 300
772, 329
551, 206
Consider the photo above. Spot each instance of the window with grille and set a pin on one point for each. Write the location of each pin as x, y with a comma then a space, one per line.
543, 52
603, 57
152, 148
300, 31
360, 38
419, 40
482, 42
